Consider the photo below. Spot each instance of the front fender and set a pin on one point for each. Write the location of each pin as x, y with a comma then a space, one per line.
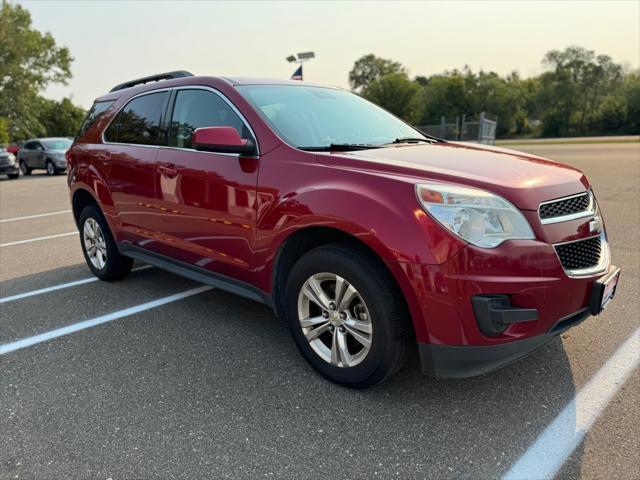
384, 214
381, 212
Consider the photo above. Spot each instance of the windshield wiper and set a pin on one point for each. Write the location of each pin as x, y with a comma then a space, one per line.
413, 140
340, 147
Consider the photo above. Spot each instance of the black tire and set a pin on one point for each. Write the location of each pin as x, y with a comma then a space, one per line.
51, 168
116, 266
24, 168
13, 176
390, 320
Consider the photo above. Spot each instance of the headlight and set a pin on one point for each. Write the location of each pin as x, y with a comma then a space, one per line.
477, 216
12, 158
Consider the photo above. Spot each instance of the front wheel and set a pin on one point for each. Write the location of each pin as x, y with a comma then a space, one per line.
99, 247
51, 168
24, 169
13, 176
347, 316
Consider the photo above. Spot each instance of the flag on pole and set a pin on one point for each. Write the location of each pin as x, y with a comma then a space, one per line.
297, 75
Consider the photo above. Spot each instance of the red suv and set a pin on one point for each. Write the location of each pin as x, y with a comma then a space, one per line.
366, 235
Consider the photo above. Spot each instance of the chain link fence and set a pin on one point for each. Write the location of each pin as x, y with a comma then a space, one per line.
480, 130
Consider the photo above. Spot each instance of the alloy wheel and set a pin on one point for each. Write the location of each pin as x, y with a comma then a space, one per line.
94, 243
335, 320
51, 169
23, 168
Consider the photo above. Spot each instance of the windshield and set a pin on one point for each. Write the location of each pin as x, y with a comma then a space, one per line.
313, 117
56, 144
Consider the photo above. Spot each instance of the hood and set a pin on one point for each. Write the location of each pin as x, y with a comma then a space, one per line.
523, 179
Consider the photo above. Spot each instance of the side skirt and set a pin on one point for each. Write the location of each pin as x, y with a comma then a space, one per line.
196, 273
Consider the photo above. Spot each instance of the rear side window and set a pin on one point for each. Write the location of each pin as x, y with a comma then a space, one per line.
200, 108
139, 121
94, 114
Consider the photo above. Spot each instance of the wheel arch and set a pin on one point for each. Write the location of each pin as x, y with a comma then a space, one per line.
81, 198
307, 238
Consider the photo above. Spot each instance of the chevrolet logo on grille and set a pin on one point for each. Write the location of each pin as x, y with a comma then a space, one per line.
595, 225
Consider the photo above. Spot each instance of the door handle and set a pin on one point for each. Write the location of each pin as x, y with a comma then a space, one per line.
168, 170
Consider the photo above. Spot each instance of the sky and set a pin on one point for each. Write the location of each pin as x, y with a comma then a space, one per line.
115, 41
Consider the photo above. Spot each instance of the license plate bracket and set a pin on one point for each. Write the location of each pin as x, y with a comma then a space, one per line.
603, 290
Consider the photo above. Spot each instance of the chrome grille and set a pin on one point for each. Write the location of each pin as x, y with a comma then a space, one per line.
580, 255
567, 208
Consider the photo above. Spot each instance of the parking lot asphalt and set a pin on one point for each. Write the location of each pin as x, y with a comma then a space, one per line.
211, 385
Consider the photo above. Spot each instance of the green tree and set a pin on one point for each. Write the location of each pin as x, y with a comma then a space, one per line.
446, 95
60, 119
396, 93
29, 61
572, 92
369, 68
631, 92
4, 131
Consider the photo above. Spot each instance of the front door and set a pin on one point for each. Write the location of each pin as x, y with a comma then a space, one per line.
207, 200
129, 164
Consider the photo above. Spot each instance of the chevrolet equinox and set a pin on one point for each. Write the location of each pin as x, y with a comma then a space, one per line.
366, 235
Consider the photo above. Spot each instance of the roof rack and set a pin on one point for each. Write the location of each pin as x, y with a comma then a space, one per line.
152, 78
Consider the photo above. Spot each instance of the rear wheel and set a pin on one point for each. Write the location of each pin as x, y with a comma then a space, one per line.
51, 168
24, 169
99, 247
13, 176
346, 316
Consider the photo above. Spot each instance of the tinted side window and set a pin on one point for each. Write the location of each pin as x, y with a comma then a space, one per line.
139, 121
29, 145
94, 114
200, 108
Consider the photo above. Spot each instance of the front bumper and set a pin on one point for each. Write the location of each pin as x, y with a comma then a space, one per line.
9, 169
447, 361
545, 301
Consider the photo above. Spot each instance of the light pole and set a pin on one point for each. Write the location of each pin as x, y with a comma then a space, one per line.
300, 58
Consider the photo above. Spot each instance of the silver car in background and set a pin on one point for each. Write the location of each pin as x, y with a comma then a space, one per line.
45, 153
8, 164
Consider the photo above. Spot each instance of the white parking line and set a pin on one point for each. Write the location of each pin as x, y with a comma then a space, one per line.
557, 442
19, 242
76, 327
34, 216
75, 283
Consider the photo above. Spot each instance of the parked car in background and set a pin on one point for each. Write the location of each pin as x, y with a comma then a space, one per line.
13, 148
44, 153
8, 164
364, 234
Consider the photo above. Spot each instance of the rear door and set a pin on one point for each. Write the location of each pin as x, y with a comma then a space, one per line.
31, 155
207, 199
128, 159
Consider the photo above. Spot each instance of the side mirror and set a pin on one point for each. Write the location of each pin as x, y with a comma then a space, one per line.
221, 139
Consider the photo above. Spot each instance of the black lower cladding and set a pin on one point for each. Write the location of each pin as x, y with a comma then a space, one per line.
462, 361
196, 273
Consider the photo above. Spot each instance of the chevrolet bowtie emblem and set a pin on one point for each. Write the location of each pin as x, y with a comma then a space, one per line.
595, 225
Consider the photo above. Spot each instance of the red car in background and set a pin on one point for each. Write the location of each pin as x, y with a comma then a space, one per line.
12, 149
368, 236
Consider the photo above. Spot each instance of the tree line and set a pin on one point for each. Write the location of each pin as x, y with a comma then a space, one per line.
579, 93
29, 62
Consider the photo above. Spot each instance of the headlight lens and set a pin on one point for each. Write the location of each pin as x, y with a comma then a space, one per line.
477, 216
12, 158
